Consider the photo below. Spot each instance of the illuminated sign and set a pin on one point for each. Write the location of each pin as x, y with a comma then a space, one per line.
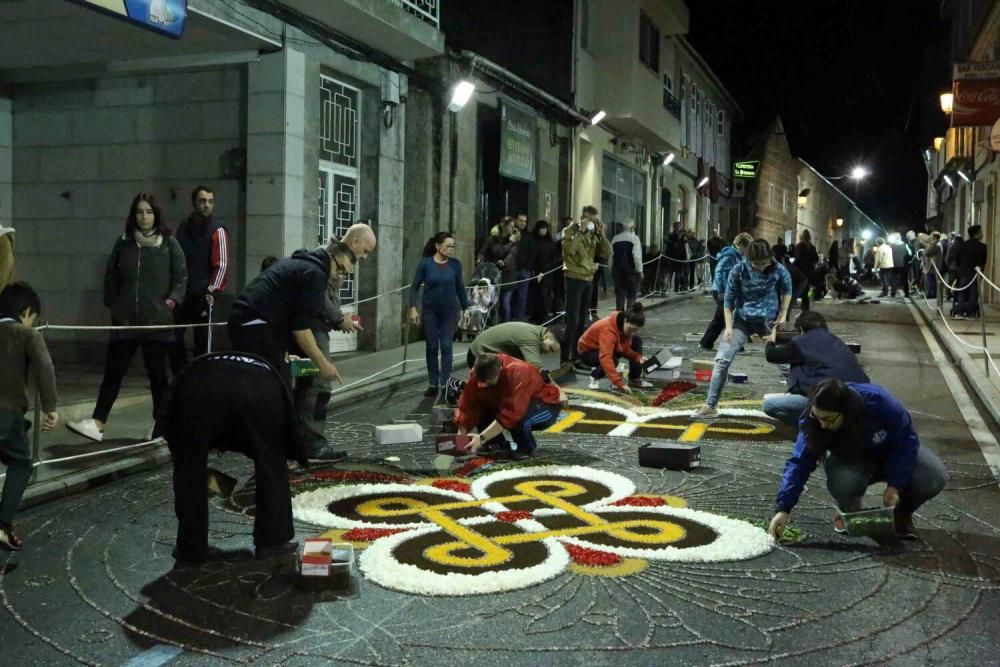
163, 16
746, 169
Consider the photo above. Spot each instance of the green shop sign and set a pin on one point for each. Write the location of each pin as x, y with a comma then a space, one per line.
517, 143
746, 169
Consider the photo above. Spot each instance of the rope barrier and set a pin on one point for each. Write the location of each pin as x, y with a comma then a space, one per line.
991, 283
154, 441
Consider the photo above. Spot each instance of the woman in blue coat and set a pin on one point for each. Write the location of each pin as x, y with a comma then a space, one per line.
863, 435
440, 274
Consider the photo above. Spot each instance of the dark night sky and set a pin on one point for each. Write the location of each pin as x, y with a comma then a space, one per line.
855, 82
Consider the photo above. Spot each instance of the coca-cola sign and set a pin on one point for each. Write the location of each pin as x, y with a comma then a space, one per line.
976, 102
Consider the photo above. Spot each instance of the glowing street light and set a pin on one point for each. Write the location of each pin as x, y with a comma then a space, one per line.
866, 234
598, 117
964, 177
947, 179
667, 160
460, 95
947, 102
858, 173
938, 142
702, 183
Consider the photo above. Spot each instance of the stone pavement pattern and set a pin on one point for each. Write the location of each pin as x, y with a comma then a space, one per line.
96, 583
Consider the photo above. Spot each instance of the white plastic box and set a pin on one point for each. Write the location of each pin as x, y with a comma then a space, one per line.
397, 434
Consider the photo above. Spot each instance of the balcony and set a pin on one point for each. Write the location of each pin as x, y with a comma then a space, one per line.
671, 103
403, 29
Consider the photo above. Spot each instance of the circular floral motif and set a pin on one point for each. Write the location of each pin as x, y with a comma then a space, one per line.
516, 528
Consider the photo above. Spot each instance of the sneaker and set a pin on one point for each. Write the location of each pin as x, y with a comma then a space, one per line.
87, 428
640, 384
286, 549
327, 453
904, 525
594, 385
705, 412
430, 391
9, 539
838, 524
582, 367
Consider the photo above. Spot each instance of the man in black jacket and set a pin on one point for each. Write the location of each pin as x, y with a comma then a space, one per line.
815, 355
279, 306
971, 256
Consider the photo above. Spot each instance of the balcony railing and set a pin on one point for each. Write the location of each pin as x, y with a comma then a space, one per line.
671, 103
428, 11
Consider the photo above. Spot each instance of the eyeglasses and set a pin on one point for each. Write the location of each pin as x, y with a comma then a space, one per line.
825, 420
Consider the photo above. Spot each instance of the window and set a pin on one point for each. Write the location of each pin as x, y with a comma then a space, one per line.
670, 102
649, 43
721, 122
585, 25
339, 164
784, 200
623, 193
770, 195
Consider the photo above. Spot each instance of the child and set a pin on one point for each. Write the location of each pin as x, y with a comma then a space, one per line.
22, 349
481, 295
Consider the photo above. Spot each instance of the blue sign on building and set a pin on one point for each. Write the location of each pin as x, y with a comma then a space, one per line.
163, 16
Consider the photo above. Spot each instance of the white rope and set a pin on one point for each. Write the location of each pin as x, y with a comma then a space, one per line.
148, 327
992, 284
379, 296
945, 281
416, 362
154, 441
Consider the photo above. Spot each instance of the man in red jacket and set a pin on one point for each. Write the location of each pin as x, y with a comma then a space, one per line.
504, 393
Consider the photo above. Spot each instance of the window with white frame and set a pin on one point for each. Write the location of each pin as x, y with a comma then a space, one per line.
339, 166
784, 200
770, 195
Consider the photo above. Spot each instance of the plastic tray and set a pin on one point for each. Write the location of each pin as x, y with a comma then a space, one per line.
870, 523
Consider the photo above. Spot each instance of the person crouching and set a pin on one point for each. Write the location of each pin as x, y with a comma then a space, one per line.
608, 340
504, 393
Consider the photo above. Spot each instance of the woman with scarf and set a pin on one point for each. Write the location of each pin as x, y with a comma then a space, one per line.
862, 435
144, 281
547, 256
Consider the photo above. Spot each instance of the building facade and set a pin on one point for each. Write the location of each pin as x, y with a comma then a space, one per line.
770, 201
962, 174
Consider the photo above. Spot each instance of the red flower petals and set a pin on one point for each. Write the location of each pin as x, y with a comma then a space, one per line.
672, 391
511, 516
592, 557
639, 501
452, 485
472, 466
369, 534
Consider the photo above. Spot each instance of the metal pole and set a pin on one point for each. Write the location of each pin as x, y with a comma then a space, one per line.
209, 328
406, 336
36, 432
982, 321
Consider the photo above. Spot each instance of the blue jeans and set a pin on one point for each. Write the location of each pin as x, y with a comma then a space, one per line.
538, 417
930, 285
724, 357
593, 358
786, 408
439, 329
519, 295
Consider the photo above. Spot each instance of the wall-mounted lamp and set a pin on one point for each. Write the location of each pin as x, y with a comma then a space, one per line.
938, 143
964, 177
702, 183
947, 179
597, 117
947, 102
460, 95
668, 159
840, 222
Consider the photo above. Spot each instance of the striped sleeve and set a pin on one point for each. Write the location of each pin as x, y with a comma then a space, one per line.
220, 260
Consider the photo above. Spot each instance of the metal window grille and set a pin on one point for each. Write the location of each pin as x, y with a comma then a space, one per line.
427, 10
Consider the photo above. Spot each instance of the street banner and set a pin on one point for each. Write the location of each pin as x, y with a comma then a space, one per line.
746, 169
970, 71
166, 17
517, 142
976, 102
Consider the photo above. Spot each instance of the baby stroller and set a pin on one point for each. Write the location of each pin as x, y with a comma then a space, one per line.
484, 297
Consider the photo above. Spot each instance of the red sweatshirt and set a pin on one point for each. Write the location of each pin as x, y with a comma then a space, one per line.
220, 261
508, 399
605, 337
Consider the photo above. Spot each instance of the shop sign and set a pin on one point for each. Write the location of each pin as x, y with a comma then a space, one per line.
163, 16
517, 143
746, 169
976, 91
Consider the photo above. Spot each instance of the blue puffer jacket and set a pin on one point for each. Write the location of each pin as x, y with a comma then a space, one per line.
889, 439
728, 258
754, 296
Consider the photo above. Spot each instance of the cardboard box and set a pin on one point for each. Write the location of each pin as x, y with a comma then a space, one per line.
396, 434
664, 374
453, 444
854, 347
656, 360
325, 565
703, 364
670, 455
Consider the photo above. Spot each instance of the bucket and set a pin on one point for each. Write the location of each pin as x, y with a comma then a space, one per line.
703, 376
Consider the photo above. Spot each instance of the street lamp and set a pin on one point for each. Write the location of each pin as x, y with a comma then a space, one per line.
858, 173
667, 160
702, 183
460, 95
598, 117
938, 142
947, 102
866, 234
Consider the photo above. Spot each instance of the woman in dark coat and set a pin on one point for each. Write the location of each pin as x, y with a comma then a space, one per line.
806, 258
144, 281
547, 256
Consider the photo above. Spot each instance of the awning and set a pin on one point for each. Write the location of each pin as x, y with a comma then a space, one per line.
44, 35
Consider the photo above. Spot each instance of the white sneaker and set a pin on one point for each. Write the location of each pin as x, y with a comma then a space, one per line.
594, 385
705, 412
641, 384
87, 428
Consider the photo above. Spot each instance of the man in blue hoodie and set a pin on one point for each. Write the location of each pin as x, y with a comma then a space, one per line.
814, 356
727, 259
863, 435
758, 294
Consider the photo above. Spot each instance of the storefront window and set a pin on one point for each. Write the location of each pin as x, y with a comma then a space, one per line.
623, 193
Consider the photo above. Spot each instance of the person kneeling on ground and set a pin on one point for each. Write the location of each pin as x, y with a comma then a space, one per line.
504, 393
843, 288
609, 339
863, 435
232, 401
521, 340
815, 355
751, 306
